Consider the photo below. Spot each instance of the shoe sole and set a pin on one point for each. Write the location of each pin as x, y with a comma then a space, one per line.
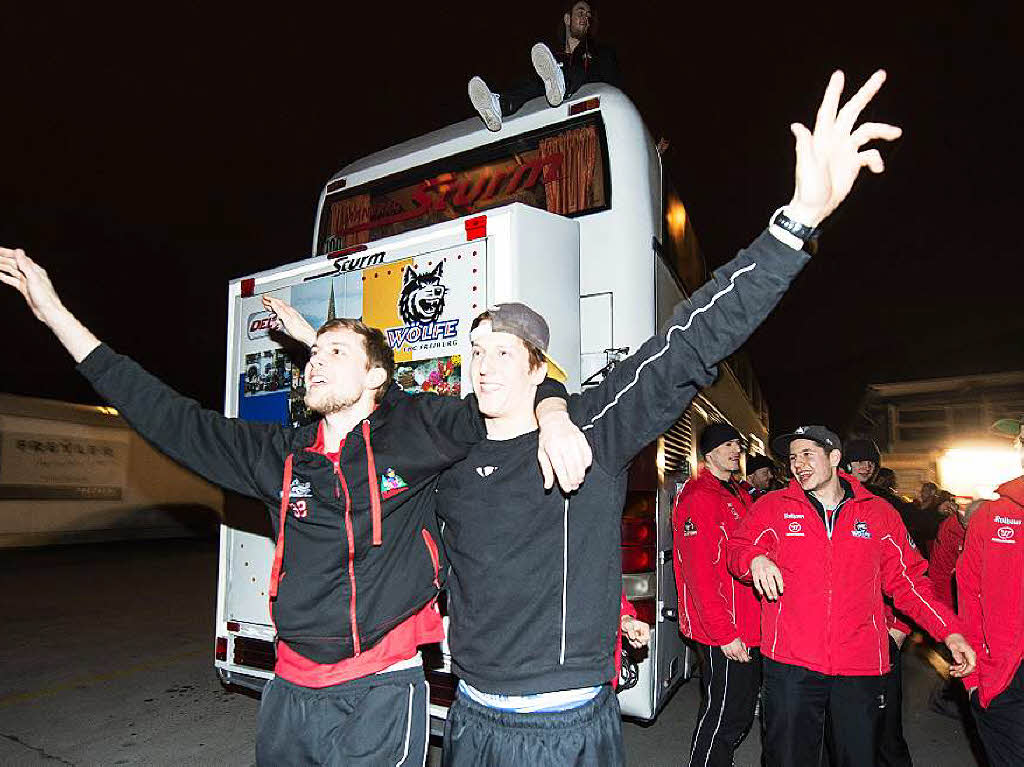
548, 71
480, 97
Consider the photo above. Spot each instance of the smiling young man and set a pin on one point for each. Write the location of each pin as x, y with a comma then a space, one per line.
356, 569
534, 592
718, 613
821, 553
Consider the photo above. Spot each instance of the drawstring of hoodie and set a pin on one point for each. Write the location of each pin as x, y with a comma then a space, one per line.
275, 572
371, 472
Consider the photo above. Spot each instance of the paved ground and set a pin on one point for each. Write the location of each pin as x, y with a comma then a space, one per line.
106, 659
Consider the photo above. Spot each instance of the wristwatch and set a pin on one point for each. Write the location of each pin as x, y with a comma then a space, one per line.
792, 233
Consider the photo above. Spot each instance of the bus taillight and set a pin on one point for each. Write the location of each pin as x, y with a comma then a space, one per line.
638, 531
637, 559
221, 649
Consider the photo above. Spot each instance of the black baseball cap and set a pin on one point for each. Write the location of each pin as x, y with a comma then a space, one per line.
862, 450
755, 462
820, 434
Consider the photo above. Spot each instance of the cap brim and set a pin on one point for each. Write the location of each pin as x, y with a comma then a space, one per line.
1009, 427
555, 370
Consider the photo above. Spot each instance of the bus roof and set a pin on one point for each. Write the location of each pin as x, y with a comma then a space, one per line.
471, 133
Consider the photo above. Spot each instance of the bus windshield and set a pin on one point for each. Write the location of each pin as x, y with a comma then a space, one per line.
562, 169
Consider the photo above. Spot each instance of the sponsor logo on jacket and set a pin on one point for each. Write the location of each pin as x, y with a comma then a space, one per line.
299, 489
391, 483
860, 529
1005, 534
795, 530
1007, 521
689, 528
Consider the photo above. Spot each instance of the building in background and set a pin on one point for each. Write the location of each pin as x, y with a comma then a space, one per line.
938, 430
75, 473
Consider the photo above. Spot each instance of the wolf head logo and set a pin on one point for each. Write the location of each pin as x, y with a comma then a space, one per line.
422, 298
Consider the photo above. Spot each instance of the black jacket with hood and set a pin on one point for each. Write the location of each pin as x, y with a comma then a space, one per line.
535, 583
360, 555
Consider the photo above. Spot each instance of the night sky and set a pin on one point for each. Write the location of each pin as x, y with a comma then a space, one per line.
146, 161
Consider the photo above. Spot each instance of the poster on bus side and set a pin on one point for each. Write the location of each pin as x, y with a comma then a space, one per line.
423, 304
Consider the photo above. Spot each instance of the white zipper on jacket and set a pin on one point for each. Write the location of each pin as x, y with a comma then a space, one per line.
565, 574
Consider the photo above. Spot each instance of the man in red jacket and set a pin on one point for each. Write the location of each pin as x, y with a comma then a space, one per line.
718, 613
822, 552
990, 593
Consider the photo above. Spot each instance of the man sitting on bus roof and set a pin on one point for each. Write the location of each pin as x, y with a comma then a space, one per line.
536, 576
349, 685
580, 59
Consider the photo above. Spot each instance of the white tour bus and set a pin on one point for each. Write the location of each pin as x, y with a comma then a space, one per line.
566, 209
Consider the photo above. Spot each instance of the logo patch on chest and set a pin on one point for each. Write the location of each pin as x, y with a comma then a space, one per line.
391, 483
689, 529
860, 529
299, 489
486, 471
796, 530
1005, 534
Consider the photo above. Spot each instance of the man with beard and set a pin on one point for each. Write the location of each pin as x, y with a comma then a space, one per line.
990, 593
352, 593
760, 478
821, 553
577, 59
720, 615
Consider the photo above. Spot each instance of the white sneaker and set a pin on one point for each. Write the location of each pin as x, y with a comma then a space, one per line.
547, 68
485, 103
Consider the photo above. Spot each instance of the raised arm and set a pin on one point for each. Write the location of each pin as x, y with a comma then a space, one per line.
223, 450
644, 394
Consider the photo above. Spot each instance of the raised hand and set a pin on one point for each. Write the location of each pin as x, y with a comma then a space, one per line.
290, 321
31, 280
829, 159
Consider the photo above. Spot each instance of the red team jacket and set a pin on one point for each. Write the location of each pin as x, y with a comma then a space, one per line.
990, 589
831, 618
714, 608
945, 551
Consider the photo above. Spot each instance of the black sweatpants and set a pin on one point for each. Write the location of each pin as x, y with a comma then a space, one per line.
517, 94
728, 701
893, 750
587, 736
1001, 725
796, 704
375, 721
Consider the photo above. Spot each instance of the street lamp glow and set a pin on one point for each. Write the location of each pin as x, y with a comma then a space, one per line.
977, 471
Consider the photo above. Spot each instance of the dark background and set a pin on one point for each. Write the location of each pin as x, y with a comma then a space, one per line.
150, 153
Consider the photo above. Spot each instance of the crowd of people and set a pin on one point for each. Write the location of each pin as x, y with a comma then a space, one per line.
820, 579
